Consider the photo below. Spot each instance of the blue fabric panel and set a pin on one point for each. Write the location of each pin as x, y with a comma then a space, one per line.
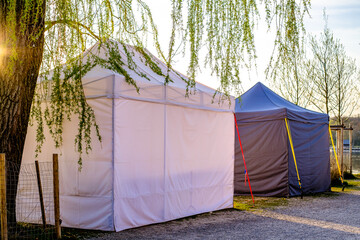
311, 145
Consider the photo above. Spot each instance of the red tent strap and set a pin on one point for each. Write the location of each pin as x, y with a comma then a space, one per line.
242, 152
245, 178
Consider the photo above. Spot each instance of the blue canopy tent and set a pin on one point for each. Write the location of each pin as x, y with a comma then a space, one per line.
260, 116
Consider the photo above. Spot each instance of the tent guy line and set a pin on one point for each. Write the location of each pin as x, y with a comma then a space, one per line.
293, 153
242, 152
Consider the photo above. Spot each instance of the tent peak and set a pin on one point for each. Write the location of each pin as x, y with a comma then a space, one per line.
260, 98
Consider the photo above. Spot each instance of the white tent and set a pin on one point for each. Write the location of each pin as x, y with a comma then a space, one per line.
163, 156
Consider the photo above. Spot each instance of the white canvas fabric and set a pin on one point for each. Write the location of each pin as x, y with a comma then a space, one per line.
163, 156
170, 162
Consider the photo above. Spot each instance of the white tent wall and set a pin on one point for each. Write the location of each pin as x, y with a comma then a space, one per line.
199, 161
170, 162
138, 163
89, 203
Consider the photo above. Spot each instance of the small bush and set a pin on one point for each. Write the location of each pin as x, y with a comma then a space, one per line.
348, 175
334, 171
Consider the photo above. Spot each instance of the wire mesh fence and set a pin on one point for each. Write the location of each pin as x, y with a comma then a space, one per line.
29, 215
30, 201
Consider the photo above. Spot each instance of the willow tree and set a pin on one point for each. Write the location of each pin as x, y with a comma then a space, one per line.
39, 35
287, 68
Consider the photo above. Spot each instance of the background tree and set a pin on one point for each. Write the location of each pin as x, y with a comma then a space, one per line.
333, 76
45, 34
321, 69
290, 78
355, 123
345, 99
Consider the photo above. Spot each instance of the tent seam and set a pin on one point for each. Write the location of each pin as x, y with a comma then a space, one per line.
165, 125
165, 102
113, 154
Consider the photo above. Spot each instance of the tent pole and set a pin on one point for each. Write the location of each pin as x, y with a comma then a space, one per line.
242, 152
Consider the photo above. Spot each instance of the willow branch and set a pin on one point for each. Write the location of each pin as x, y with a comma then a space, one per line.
73, 24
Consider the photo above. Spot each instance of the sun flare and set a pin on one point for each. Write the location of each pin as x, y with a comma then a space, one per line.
2, 51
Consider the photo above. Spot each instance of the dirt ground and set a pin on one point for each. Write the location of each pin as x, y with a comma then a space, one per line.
334, 215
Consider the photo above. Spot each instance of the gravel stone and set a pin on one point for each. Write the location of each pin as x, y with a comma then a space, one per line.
343, 209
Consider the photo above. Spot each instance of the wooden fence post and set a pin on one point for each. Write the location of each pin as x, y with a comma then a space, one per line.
40, 194
338, 148
350, 148
342, 151
337, 141
4, 230
56, 195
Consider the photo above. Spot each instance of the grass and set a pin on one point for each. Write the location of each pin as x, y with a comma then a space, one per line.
245, 203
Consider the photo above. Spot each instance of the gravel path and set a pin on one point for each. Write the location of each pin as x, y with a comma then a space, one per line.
334, 217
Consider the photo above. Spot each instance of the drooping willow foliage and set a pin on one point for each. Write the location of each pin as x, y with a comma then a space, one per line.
224, 29
288, 20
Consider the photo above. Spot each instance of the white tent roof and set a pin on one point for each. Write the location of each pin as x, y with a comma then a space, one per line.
100, 82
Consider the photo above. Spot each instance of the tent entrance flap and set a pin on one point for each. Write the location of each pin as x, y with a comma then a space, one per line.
293, 152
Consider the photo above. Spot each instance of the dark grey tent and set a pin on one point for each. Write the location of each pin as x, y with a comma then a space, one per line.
261, 117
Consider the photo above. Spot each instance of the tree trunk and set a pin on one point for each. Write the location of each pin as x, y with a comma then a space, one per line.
19, 69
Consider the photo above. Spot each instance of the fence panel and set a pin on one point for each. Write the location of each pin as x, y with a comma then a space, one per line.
29, 218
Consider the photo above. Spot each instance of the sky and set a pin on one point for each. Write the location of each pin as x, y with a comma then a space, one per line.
343, 21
